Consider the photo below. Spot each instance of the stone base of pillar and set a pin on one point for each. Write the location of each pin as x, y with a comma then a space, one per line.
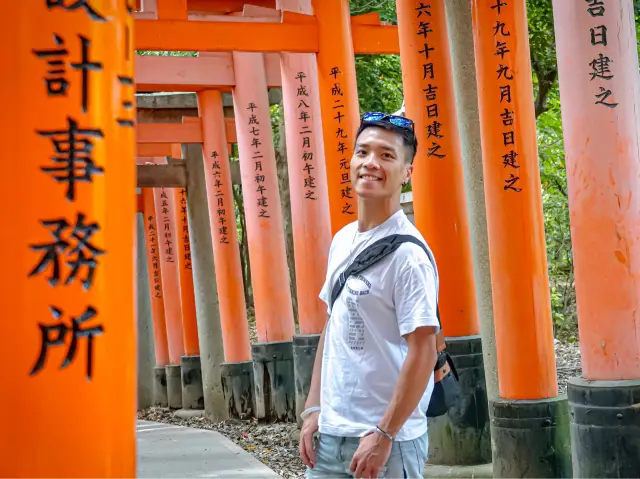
274, 381
192, 395
605, 427
304, 356
531, 438
160, 386
238, 389
462, 437
174, 386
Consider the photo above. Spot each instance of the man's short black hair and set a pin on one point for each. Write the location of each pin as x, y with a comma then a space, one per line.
408, 136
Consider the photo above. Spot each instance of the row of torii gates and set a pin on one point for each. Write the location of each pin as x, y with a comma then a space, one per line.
72, 133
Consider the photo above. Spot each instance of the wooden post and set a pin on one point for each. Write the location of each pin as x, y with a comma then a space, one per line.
339, 105
440, 212
309, 200
237, 371
522, 310
224, 235
144, 334
269, 275
160, 338
68, 329
204, 282
269, 272
599, 89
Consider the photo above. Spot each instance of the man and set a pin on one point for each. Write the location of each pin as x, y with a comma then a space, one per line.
373, 372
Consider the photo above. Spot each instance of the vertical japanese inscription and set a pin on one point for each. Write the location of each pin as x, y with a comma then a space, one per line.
342, 138
259, 178
600, 67
435, 132
221, 211
306, 135
71, 255
155, 255
505, 76
184, 220
168, 240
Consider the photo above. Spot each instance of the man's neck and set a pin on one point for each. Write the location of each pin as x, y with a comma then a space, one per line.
373, 212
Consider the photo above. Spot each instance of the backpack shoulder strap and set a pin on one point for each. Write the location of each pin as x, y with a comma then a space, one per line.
371, 255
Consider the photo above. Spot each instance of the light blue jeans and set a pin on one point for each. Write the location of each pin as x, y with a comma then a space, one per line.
334, 454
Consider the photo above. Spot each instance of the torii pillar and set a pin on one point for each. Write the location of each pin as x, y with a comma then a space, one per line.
68, 322
309, 201
600, 93
273, 354
530, 433
462, 436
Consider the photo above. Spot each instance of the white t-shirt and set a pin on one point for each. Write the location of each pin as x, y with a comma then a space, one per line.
364, 348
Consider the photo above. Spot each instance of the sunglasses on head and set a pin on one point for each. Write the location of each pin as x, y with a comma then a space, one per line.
400, 121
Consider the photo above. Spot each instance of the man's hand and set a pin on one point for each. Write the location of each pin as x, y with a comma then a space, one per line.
309, 427
372, 454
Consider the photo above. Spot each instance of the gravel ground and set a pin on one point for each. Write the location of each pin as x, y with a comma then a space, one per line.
276, 445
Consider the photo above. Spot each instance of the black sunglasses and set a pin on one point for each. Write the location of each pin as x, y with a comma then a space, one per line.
400, 121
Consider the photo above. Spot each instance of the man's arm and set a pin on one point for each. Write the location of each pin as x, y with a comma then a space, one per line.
310, 424
413, 379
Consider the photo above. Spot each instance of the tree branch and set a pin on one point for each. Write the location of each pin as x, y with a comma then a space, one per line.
546, 80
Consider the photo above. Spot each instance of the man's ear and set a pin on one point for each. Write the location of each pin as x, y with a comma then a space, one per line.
408, 173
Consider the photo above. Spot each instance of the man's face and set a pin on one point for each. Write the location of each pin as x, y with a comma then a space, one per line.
378, 166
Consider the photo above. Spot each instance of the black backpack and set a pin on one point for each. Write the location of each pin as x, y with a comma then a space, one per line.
446, 389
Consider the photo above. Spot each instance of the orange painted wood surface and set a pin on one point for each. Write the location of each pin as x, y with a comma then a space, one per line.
517, 249
599, 88
163, 35
185, 271
195, 73
66, 248
224, 235
307, 185
439, 201
339, 106
190, 131
269, 272
160, 340
168, 241
171, 9
153, 149
225, 6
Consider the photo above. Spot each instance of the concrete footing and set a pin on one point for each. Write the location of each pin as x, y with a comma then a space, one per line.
605, 427
462, 437
274, 381
238, 389
192, 394
531, 438
304, 356
174, 386
160, 387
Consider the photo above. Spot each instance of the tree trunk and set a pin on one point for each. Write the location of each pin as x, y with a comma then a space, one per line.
285, 200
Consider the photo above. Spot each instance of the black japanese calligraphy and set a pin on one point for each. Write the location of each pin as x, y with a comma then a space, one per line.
342, 140
434, 128
55, 334
505, 72
600, 66
72, 152
75, 244
155, 259
595, 8
56, 82
309, 185
70, 5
